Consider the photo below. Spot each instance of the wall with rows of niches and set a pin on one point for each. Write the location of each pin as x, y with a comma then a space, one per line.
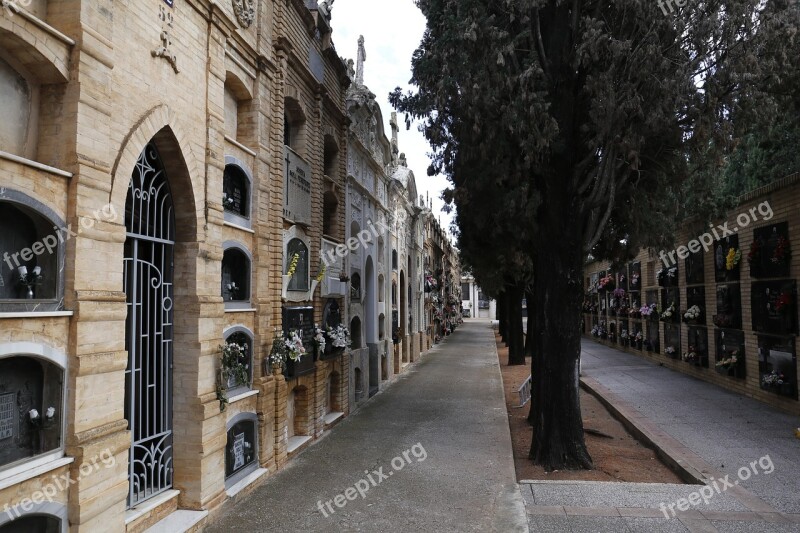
722, 306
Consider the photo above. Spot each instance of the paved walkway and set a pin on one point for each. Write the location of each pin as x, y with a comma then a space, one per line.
714, 431
450, 406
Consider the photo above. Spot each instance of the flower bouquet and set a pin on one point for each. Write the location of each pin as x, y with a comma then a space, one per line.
670, 351
784, 303
42, 422
729, 362
781, 253
754, 255
668, 314
234, 364
732, 258
606, 283
774, 379
648, 311
691, 356
227, 201
634, 280
638, 339
339, 336
319, 340
233, 290
693, 315
29, 279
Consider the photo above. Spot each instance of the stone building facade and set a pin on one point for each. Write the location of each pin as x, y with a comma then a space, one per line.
721, 306
167, 166
442, 277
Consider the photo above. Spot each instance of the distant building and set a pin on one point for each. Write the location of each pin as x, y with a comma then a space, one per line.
474, 302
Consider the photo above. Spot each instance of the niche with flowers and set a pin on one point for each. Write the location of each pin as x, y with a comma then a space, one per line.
32, 262
672, 341
727, 259
31, 408
235, 286
696, 351
770, 252
730, 360
670, 305
301, 320
239, 340
774, 307
695, 306
777, 365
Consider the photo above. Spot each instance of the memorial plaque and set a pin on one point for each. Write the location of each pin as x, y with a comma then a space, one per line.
238, 451
297, 205
7, 415
302, 319
774, 307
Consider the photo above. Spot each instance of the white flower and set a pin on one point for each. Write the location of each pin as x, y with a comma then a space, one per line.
51, 412
34, 414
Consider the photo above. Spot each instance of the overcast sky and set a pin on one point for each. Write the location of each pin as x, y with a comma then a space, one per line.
392, 30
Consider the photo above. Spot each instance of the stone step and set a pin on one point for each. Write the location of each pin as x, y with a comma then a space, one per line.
180, 521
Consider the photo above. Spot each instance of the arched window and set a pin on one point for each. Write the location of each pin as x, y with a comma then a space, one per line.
33, 255
242, 337
381, 289
355, 287
394, 293
235, 287
355, 333
330, 157
297, 248
394, 259
330, 208
236, 192
241, 448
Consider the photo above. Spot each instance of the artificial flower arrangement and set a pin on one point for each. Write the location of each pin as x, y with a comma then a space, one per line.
647, 310
669, 350
730, 361
319, 339
691, 355
732, 258
233, 289
723, 320
755, 251
234, 362
664, 273
634, 279
783, 303
668, 313
781, 253
293, 265
340, 336
618, 293
621, 278
773, 379
227, 201
639, 337
284, 348
42, 422
693, 313
606, 282
624, 334
30, 279
321, 273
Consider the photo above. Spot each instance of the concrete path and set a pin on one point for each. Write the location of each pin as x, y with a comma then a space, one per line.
447, 413
717, 432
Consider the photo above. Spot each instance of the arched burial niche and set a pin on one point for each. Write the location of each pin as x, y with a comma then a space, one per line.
355, 333
237, 192
43, 517
235, 285
242, 337
241, 448
33, 249
32, 397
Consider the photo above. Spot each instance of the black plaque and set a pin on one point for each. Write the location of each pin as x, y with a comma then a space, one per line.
774, 307
770, 252
240, 449
301, 319
721, 250
729, 306
730, 343
695, 274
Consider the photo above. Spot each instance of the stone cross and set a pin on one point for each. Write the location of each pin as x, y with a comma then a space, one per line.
360, 58
395, 144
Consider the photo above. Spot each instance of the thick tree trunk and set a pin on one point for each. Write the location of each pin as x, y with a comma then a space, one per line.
501, 316
516, 344
528, 336
558, 439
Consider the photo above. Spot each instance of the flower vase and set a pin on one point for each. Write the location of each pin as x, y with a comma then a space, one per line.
314, 284
29, 294
285, 288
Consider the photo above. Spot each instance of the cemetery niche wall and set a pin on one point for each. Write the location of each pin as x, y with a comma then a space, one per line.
730, 317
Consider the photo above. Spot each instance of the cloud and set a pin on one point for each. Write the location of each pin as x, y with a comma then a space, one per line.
392, 30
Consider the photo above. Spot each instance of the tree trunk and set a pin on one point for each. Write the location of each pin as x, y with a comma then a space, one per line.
501, 316
516, 345
528, 336
558, 439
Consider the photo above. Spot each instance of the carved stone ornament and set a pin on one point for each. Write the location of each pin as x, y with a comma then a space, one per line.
245, 12
165, 51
